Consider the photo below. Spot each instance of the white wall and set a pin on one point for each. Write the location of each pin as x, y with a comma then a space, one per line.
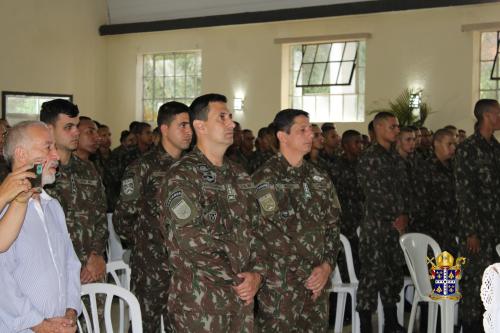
53, 46
415, 49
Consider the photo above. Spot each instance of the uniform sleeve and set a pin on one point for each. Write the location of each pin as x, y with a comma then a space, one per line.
16, 311
127, 208
187, 230
258, 244
332, 221
466, 188
101, 221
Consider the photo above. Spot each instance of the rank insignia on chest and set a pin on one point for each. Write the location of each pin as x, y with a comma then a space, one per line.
446, 275
307, 192
231, 193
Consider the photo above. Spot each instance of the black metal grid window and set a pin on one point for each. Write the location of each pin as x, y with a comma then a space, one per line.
167, 77
329, 64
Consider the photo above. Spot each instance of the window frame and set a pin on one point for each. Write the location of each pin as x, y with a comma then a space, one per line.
7, 93
141, 88
358, 74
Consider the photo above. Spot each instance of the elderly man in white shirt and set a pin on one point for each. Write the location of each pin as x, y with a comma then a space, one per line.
40, 273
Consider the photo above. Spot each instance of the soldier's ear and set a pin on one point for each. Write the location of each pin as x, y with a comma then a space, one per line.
282, 136
199, 126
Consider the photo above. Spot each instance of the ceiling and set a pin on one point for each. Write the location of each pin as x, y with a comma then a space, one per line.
133, 11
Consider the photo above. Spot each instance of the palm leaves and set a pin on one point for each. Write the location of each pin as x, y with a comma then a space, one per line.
406, 114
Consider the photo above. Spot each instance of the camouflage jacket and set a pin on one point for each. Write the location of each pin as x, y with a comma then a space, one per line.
350, 195
477, 171
300, 219
244, 161
322, 164
79, 190
119, 159
438, 202
102, 165
384, 182
136, 218
259, 158
212, 216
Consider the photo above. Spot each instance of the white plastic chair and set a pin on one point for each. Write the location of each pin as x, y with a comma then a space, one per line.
120, 272
415, 247
111, 291
114, 247
498, 249
343, 289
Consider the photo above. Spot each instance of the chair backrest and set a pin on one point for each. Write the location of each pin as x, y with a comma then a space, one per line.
498, 249
415, 248
349, 261
490, 295
114, 247
111, 291
120, 272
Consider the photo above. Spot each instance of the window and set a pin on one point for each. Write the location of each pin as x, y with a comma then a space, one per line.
167, 77
328, 80
20, 106
489, 87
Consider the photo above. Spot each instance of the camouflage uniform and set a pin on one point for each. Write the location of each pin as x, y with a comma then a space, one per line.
351, 200
79, 190
102, 165
477, 171
332, 159
259, 158
438, 205
119, 159
321, 164
383, 179
300, 214
238, 157
211, 215
137, 220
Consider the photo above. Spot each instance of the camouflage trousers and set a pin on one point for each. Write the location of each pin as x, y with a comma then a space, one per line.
382, 269
151, 291
291, 311
182, 321
471, 308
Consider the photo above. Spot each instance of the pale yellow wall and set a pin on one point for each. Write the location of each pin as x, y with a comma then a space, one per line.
53, 46
416, 49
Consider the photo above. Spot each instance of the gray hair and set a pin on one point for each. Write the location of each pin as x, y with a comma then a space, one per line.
18, 136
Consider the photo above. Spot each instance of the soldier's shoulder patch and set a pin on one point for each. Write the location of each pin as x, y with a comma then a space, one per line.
267, 203
130, 189
182, 208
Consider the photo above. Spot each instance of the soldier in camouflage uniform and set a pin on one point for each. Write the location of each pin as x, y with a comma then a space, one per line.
300, 225
477, 172
437, 199
209, 207
314, 157
331, 150
101, 160
382, 177
266, 147
350, 193
124, 155
137, 214
78, 186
